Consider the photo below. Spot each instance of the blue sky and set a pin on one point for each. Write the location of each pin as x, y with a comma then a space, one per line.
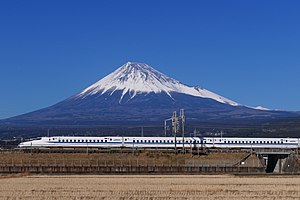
247, 51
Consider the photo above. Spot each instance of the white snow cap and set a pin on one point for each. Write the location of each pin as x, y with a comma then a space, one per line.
261, 108
138, 78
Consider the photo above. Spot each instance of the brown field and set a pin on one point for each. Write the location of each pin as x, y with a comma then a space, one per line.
149, 187
146, 158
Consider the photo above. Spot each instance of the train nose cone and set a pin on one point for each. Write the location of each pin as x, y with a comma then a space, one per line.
24, 144
21, 145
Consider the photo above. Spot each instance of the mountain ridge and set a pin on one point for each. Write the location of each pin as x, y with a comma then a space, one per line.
136, 93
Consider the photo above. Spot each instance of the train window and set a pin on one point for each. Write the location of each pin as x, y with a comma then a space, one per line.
105, 140
133, 140
111, 139
58, 140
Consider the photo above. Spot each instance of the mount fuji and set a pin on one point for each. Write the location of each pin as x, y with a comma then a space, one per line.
136, 93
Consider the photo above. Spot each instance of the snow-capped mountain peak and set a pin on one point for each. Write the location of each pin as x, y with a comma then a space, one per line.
137, 78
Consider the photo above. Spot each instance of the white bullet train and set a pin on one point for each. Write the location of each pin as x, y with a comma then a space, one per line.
160, 142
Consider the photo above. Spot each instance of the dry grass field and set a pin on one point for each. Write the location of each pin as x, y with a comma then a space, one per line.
150, 187
147, 158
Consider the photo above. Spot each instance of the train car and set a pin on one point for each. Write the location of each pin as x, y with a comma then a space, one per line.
161, 142
110, 142
251, 143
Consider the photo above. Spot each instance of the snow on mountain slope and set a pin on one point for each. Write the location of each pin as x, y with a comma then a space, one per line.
261, 108
138, 78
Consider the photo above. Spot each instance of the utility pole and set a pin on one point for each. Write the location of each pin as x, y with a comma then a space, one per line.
170, 119
174, 126
142, 132
182, 127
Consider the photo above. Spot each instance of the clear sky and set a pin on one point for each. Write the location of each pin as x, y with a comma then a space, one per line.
247, 51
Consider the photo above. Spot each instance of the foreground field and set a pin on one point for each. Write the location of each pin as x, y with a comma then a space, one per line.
149, 187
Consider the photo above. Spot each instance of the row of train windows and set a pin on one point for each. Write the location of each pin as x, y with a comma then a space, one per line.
163, 141
252, 142
137, 141
81, 140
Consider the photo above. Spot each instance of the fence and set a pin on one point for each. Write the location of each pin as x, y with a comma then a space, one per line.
100, 169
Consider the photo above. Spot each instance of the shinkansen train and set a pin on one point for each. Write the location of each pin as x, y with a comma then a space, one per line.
160, 142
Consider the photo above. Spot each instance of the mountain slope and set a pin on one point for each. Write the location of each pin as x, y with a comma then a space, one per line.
138, 94
137, 78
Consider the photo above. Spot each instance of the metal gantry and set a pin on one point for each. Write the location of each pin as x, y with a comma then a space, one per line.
176, 126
